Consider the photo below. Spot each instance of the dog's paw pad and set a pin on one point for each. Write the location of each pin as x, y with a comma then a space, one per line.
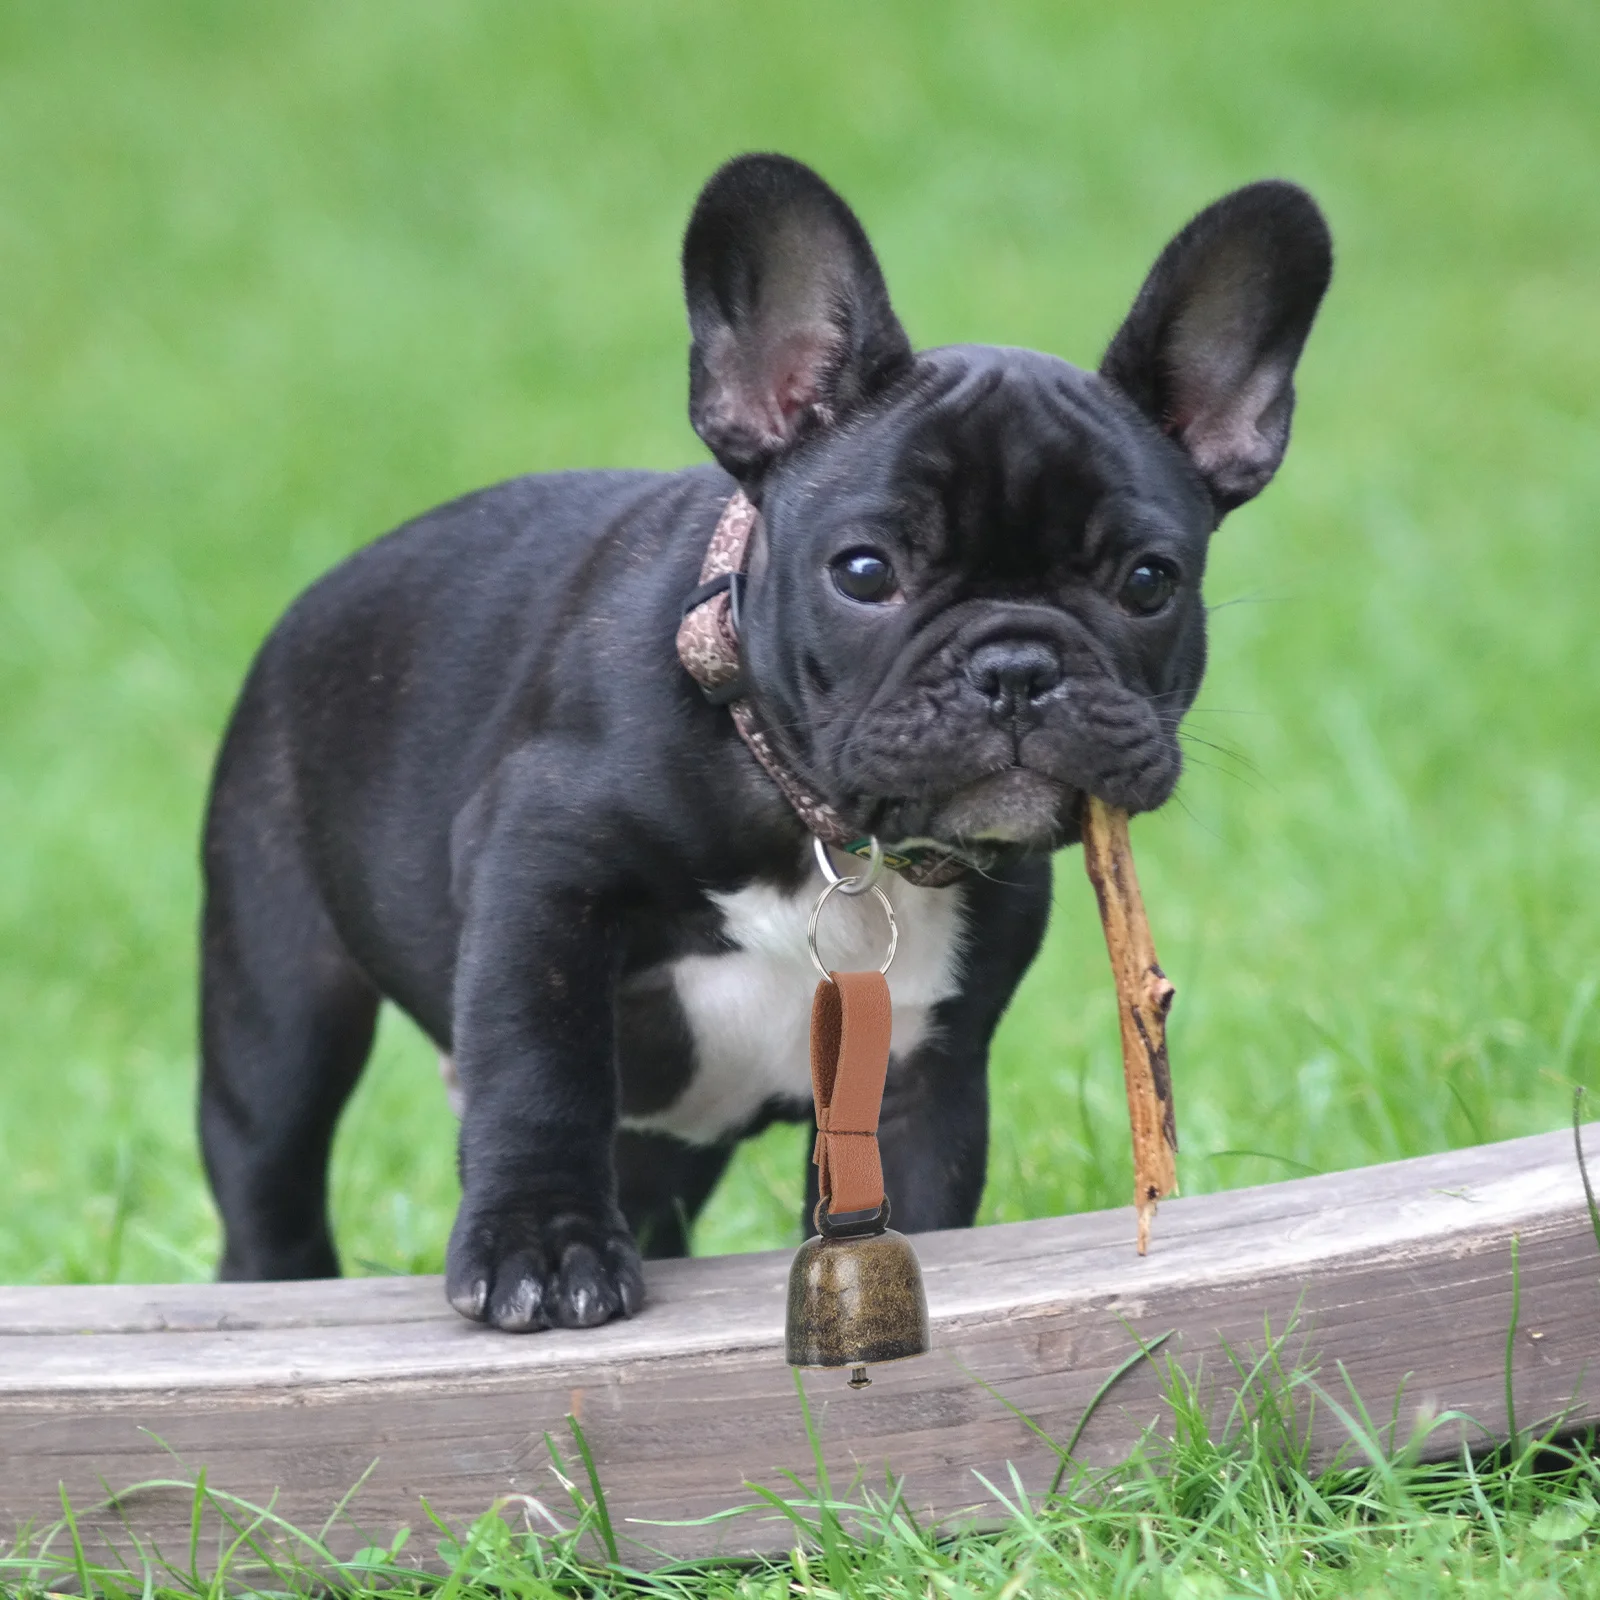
519, 1299
470, 1299
628, 1276
586, 1296
519, 1271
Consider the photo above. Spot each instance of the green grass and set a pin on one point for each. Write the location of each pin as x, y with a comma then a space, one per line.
278, 277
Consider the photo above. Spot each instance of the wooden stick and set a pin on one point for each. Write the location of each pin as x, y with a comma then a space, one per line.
1144, 997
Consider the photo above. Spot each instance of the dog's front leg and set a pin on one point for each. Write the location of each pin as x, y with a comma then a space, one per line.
539, 1240
934, 1136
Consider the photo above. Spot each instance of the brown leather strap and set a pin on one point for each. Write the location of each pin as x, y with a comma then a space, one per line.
850, 1025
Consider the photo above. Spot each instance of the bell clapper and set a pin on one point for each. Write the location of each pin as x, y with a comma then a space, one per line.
859, 1378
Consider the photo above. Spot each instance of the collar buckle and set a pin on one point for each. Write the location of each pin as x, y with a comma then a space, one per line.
729, 583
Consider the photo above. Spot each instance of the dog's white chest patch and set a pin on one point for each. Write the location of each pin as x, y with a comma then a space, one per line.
749, 1010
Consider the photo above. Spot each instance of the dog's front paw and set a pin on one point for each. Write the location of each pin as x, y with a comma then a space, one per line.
542, 1264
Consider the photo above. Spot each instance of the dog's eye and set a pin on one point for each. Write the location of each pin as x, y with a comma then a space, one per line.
863, 575
1148, 587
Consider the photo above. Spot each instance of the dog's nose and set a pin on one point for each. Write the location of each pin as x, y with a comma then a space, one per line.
1012, 675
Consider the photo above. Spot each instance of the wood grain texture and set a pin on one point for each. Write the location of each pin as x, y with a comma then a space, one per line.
1401, 1272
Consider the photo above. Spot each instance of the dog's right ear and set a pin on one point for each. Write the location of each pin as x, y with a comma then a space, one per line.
791, 322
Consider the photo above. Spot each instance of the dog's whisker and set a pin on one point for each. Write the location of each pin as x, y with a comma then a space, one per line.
1231, 773
1229, 751
1259, 598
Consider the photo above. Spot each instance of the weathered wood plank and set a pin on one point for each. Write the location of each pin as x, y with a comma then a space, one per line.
1402, 1272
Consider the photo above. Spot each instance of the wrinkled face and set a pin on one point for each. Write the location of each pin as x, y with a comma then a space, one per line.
982, 600
976, 595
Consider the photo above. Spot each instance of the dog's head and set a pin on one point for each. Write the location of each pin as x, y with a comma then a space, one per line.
975, 594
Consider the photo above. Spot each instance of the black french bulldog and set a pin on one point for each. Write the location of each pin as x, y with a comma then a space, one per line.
469, 774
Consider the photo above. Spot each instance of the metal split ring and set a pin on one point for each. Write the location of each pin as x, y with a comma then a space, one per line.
849, 883
816, 912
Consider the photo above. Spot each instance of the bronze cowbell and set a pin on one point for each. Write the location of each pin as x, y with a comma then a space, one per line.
855, 1289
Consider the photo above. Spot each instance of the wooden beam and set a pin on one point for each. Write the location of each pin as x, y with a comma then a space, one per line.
1401, 1272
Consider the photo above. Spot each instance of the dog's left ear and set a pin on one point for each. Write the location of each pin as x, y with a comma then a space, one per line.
1209, 350
791, 319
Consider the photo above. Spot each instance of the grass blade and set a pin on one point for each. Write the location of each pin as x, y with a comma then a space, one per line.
1583, 1166
602, 1512
1145, 1352
78, 1557
1511, 1339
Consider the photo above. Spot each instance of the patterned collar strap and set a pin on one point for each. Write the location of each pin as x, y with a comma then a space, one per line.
708, 647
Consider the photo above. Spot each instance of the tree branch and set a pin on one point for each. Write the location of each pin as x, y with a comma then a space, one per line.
1144, 997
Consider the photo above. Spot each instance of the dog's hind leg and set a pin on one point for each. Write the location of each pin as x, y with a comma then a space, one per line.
287, 1021
661, 1185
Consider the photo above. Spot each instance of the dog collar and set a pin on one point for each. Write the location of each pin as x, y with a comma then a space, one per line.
708, 647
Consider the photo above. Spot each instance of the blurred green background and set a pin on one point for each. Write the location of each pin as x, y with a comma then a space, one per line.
279, 277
